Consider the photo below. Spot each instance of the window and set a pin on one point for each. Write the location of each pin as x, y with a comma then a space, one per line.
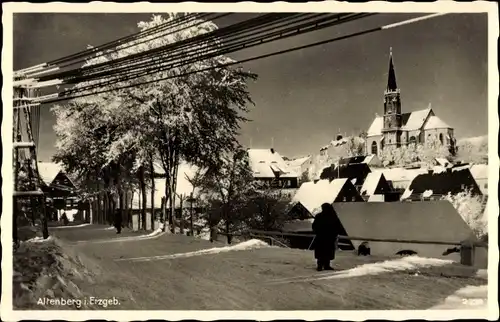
485, 186
344, 199
413, 140
353, 199
441, 139
462, 187
374, 148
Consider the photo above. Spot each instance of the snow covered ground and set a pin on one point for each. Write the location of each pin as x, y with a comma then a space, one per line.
467, 298
410, 263
39, 240
247, 245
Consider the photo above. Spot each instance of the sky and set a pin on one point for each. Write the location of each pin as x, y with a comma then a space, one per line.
302, 99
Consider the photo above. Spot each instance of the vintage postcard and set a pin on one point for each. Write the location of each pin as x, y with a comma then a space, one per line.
324, 160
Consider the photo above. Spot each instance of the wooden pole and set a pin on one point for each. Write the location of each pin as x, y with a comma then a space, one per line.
181, 221
191, 212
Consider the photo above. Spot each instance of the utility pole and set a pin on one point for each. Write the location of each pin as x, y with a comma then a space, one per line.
24, 102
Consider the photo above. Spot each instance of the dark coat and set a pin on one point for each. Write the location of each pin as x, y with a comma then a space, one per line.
326, 226
118, 219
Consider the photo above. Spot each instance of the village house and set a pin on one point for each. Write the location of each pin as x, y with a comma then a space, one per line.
377, 189
184, 189
480, 174
59, 188
310, 196
268, 166
355, 172
440, 182
300, 166
395, 128
436, 221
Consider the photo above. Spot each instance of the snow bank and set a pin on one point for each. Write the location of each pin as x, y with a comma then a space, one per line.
247, 245
406, 194
467, 298
427, 193
39, 240
403, 264
70, 226
157, 231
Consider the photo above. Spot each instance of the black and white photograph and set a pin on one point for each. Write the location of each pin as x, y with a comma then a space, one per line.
250, 161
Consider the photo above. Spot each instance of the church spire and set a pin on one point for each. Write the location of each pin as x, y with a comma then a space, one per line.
391, 81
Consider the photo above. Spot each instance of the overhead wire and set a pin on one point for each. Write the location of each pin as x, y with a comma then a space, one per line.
222, 31
178, 53
235, 45
158, 35
110, 44
244, 44
275, 53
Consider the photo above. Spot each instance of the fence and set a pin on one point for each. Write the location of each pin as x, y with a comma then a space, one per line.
467, 249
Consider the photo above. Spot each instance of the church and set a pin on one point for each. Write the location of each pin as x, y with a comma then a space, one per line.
397, 129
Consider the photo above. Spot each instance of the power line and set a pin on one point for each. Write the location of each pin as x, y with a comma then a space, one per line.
143, 65
331, 40
197, 23
177, 53
247, 43
171, 46
111, 44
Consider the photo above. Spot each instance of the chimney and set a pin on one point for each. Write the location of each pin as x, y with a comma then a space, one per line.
272, 150
430, 171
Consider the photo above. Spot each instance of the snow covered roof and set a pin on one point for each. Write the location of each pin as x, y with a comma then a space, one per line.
299, 161
369, 158
411, 121
443, 162
376, 127
48, 171
371, 183
338, 142
416, 120
184, 187
265, 163
435, 122
479, 171
400, 174
313, 195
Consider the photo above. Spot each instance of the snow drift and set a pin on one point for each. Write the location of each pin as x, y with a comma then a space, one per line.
247, 245
467, 298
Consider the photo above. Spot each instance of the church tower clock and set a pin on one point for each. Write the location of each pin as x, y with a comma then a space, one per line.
392, 110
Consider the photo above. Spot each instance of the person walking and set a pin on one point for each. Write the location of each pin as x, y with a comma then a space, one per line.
326, 227
118, 221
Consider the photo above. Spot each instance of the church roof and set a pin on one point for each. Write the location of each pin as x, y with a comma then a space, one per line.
376, 127
416, 120
435, 122
411, 122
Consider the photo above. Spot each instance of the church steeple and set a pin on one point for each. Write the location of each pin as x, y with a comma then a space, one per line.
392, 109
391, 80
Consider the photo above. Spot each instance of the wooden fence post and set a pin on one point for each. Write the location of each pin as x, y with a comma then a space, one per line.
181, 221
191, 213
467, 252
